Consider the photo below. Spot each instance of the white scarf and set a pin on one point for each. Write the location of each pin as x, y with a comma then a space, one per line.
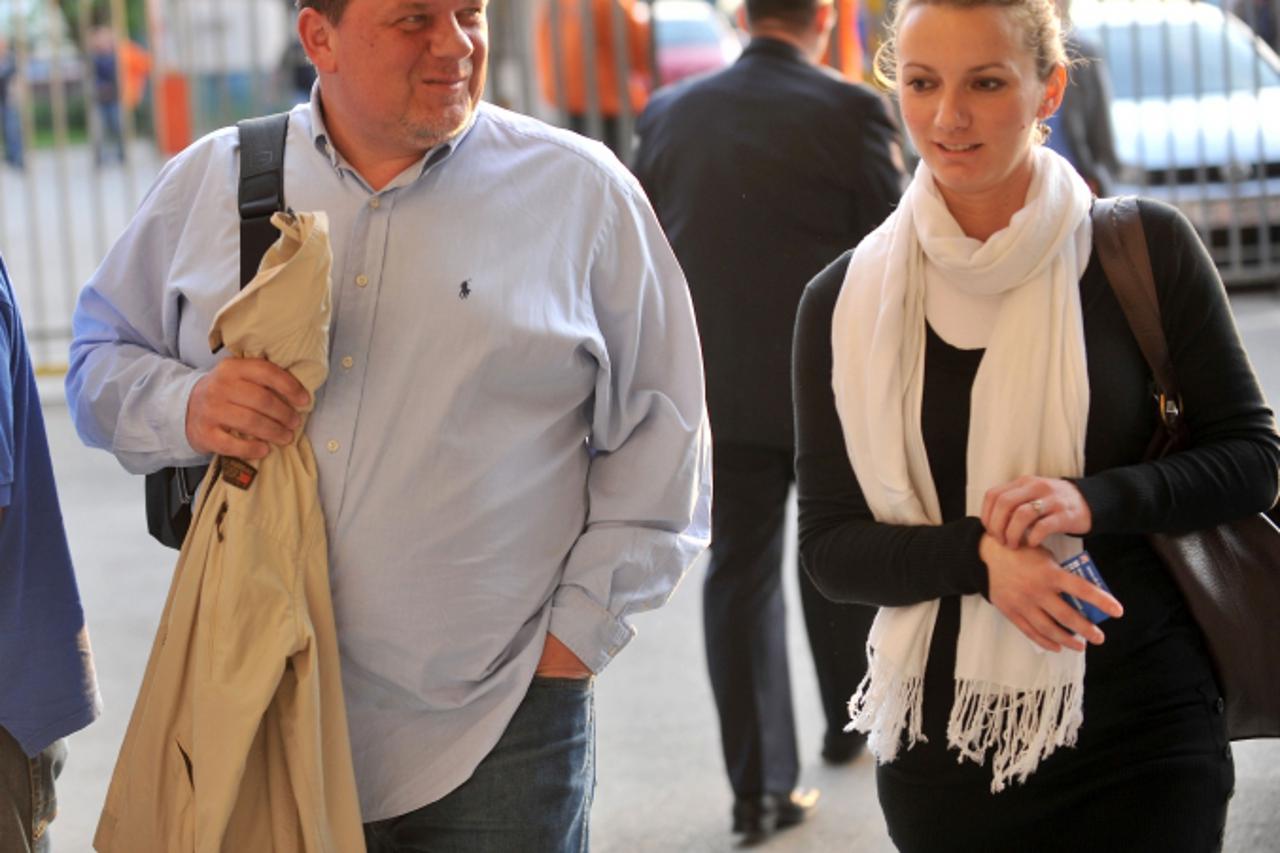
1030, 404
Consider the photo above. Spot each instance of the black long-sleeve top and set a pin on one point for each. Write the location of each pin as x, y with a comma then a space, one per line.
1231, 471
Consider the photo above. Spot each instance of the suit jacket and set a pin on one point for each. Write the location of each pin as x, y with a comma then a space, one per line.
761, 175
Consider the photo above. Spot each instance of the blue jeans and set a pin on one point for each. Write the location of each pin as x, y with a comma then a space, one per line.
27, 802
532, 793
109, 148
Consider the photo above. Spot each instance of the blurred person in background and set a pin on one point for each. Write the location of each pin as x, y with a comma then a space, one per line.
568, 66
846, 48
10, 119
120, 69
1081, 128
108, 146
761, 174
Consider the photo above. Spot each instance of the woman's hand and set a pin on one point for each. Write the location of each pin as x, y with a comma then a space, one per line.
1034, 508
1025, 585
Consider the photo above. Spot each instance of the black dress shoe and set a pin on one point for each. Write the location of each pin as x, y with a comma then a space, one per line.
756, 818
794, 807
842, 747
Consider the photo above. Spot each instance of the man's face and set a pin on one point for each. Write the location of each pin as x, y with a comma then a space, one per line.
405, 75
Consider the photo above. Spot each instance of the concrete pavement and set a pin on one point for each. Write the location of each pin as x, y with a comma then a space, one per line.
661, 784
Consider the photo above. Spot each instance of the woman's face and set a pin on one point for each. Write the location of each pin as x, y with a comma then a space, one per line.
970, 98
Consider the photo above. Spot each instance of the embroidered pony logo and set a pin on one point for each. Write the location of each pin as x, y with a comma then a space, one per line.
464, 289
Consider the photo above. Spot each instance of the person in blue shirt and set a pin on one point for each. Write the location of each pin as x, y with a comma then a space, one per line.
511, 446
108, 146
48, 688
10, 120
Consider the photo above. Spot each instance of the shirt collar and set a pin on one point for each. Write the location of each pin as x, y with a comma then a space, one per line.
431, 157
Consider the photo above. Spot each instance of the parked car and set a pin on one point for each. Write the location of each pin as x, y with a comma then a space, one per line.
1196, 114
693, 37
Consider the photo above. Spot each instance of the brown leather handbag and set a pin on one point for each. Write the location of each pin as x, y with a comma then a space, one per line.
1229, 574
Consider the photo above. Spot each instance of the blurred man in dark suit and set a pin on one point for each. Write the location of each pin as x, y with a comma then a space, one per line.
761, 175
1081, 128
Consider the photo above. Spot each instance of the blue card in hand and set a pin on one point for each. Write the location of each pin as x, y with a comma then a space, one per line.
1082, 565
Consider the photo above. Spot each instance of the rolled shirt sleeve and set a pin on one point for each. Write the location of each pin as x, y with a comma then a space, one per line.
649, 485
131, 374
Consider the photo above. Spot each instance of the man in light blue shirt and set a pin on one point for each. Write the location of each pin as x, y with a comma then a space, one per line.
511, 444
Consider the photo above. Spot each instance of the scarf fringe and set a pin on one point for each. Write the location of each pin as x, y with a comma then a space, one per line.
1021, 729
887, 702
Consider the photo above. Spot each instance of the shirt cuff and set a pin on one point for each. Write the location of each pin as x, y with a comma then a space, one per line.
590, 631
6, 495
176, 429
164, 440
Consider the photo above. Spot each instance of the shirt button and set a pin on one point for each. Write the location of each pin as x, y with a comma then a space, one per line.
348, 362
362, 280
1220, 706
375, 203
332, 446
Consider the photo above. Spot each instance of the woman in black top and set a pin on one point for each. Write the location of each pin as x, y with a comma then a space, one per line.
990, 410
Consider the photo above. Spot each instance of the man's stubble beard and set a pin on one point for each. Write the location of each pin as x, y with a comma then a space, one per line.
432, 132
428, 134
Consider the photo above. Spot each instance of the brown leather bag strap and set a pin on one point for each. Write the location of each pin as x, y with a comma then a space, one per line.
1121, 244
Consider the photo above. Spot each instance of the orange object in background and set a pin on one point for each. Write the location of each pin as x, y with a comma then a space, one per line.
173, 120
135, 65
846, 54
572, 63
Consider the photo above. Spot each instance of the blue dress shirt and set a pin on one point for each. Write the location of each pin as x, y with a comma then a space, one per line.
512, 439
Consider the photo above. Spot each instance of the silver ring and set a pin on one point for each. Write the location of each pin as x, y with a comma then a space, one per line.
1037, 506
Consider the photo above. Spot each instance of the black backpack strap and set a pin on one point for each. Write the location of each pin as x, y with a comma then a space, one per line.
261, 187
170, 491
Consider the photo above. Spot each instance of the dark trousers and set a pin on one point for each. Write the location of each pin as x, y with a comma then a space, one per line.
745, 624
109, 147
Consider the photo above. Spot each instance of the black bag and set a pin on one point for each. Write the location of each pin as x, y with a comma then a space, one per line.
1229, 574
170, 490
